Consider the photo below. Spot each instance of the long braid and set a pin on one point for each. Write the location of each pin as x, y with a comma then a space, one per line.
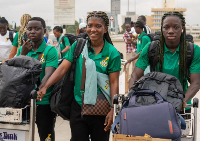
183, 49
103, 16
24, 20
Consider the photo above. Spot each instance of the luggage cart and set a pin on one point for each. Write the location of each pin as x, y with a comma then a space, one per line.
14, 127
190, 134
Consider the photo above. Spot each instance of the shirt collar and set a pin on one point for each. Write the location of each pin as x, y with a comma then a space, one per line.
167, 50
105, 50
139, 37
41, 47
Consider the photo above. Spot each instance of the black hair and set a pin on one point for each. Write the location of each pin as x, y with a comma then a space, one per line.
58, 28
4, 21
141, 25
183, 48
39, 19
143, 17
104, 17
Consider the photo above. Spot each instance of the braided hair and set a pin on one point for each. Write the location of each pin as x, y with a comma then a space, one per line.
183, 48
141, 25
104, 17
24, 20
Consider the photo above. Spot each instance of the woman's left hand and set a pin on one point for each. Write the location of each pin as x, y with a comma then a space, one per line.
109, 120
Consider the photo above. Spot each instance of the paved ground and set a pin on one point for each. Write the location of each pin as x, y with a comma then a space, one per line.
63, 130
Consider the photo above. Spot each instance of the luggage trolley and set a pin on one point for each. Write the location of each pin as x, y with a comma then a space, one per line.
190, 134
15, 127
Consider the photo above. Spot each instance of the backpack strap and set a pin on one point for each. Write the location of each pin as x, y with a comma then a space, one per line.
190, 55
11, 36
142, 37
63, 41
153, 48
77, 52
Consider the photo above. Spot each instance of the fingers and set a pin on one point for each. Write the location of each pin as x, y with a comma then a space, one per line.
109, 123
28, 41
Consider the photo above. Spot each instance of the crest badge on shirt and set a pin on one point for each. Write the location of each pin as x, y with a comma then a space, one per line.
104, 62
42, 60
107, 84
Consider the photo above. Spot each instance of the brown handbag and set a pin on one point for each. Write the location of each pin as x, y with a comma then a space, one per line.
102, 106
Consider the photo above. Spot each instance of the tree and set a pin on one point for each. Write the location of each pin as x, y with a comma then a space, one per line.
123, 29
49, 28
72, 28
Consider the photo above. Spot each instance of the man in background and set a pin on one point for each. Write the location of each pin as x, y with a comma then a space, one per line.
142, 18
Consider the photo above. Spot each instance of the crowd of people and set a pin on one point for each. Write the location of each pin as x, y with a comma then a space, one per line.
102, 58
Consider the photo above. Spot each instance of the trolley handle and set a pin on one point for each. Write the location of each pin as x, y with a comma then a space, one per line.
34, 94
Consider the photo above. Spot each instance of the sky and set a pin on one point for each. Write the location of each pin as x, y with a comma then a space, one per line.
12, 10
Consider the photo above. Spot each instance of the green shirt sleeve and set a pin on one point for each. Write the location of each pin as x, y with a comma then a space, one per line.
114, 62
70, 53
145, 40
195, 66
52, 58
15, 41
143, 60
19, 51
66, 40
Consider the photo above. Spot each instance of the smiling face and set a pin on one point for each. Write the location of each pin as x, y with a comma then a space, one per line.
35, 31
3, 29
172, 29
128, 27
96, 28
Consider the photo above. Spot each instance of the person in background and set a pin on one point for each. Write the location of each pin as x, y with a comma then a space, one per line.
6, 38
62, 50
131, 50
142, 18
81, 29
36, 28
20, 36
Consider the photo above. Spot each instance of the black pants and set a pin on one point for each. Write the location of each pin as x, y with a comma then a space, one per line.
82, 127
45, 120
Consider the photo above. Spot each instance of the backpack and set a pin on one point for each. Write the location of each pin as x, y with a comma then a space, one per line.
19, 77
153, 60
167, 85
11, 32
72, 38
62, 94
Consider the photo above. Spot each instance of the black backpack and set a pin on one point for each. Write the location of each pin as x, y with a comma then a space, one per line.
167, 85
72, 38
11, 32
63, 92
19, 76
153, 60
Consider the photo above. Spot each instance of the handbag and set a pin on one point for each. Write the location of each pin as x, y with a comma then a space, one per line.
101, 107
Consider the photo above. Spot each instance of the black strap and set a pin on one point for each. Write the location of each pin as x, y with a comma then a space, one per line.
142, 37
77, 51
11, 36
190, 55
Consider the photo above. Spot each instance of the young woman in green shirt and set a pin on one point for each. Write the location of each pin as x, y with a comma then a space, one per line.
173, 51
107, 60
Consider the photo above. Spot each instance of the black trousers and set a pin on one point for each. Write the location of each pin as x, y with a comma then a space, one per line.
45, 120
82, 127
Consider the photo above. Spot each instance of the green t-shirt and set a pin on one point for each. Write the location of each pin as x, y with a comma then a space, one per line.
144, 40
15, 40
171, 62
48, 59
66, 40
107, 61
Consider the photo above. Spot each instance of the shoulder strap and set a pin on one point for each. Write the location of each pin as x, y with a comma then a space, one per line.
77, 51
153, 48
83, 75
190, 55
40, 55
63, 41
11, 36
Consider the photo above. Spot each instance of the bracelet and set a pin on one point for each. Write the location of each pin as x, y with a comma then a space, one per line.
112, 106
131, 59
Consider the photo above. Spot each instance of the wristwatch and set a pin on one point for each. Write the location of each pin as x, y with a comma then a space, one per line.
131, 59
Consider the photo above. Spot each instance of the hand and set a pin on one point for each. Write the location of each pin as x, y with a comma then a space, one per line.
41, 92
109, 120
183, 105
129, 41
58, 53
128, 61
26, 47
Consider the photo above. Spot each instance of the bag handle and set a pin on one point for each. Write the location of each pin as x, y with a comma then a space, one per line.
145, 92
83, 75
